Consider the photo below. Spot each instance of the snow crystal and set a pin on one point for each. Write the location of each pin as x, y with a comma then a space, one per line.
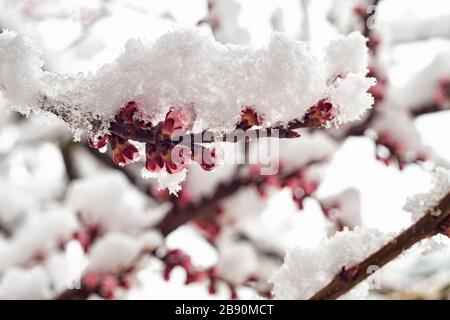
305, 270
420, 204
172, 182
189, 69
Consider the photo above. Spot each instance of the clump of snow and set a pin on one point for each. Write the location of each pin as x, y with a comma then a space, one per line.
41, 233
113, 252
226, 14
401, 128
65, 268
420, 90
306, 270
360, 292
342, 14
20, 70
242, 206
108, 199
350, 46
347, 207
436, 244
237, 261
420, 204
25, 284
201, 183
190, 69
15, 202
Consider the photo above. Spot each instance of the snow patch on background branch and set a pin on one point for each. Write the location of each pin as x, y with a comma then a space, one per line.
420, 203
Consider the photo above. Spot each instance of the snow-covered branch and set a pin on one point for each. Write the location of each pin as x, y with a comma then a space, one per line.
186, 85
208, 81
350, 257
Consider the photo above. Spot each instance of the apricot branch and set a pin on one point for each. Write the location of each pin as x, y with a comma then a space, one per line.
428, 226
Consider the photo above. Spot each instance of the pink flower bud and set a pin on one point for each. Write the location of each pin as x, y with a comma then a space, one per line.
206, 158
84, 239
123, 151
154, 162
175, 121
175, 159
320, 114
349, 274
131, 114
91, 281
109, 284
249, 118
98, 142
359, 11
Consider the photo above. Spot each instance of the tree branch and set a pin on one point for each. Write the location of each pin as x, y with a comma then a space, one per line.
426, 227
180, 216
127, 131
